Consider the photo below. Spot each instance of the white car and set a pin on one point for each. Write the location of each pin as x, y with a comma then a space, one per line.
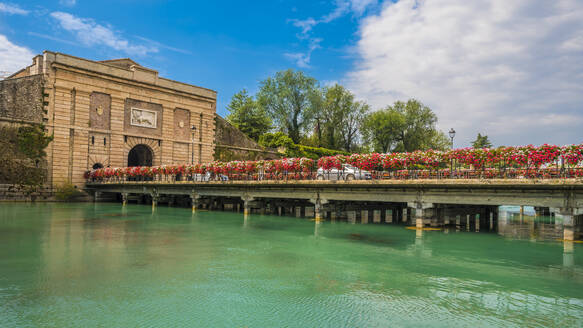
347, 173
209, 177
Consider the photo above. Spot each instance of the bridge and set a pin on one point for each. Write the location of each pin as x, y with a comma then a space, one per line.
469, 203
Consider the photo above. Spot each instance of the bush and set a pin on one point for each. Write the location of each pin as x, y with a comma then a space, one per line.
67, 192
280, 139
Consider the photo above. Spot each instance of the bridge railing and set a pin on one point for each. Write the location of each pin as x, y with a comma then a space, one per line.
438, 174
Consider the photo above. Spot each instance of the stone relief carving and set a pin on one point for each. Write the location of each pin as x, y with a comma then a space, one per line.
144, 118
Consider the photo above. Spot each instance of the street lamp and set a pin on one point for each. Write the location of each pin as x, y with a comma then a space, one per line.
193, 129
451, 135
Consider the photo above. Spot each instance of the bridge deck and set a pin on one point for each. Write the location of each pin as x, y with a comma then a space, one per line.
560, 193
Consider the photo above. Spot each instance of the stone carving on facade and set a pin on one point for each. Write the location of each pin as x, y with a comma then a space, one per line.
144, 118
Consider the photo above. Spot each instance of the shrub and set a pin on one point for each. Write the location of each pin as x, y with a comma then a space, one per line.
67, 192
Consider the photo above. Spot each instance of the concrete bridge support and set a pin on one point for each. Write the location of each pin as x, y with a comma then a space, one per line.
194, 200
124, 198
572, 220
247, 204
318, 207
155, 198
423, 213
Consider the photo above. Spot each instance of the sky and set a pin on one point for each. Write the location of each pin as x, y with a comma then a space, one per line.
512, 70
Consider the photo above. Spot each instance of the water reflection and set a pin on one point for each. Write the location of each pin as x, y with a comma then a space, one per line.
109, 263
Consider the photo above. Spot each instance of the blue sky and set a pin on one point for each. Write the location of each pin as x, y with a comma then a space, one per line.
225, 46
510, 69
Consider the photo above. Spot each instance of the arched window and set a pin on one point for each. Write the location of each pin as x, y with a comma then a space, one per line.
97, 166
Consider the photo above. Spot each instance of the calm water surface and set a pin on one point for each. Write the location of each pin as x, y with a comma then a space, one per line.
86, 265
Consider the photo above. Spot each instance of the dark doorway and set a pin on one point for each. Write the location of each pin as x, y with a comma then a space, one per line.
140, 155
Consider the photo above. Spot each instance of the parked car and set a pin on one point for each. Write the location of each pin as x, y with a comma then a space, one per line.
209, 177
347, 173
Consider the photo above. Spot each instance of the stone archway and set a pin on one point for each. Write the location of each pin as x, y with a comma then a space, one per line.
140, 155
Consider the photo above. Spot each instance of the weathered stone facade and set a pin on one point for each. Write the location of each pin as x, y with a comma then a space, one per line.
21, 99
232, 144
98, 112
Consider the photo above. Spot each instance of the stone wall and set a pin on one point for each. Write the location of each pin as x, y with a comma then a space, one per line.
21, 99
232, 144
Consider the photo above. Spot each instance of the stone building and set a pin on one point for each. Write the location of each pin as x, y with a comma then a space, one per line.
109, 113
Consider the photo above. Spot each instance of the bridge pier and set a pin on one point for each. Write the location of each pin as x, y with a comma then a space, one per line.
155, 198
572, 220
124, 198
318, 207
423, 213
247, 204
194, 199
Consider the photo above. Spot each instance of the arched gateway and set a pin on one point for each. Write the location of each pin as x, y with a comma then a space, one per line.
140, 155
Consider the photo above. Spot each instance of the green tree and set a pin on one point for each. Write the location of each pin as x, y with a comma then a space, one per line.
341, 118
351, 124
381, 130
481, 141
419, 128
247, 116
288, 98
403, 127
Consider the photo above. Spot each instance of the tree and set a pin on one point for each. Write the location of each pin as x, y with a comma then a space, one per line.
340, 118
403, 127
247, 116
382, 129
419, 128
481, 142
288, 98
351, 124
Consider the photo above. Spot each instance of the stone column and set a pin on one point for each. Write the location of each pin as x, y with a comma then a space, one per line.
477, 222
364, 216
96, 195
318, 205
423, 213
570, 218
389, 216
247, 204
155, 198
194, 197
376, 216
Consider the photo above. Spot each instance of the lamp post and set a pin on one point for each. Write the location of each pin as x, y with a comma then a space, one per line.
193, 130
451, 135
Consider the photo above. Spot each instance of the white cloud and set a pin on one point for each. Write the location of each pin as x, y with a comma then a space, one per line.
303, 59
13, 57
510, 69
89, 33
341, 8
12, 9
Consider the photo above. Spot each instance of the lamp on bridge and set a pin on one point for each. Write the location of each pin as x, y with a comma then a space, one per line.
451, 135
193, 129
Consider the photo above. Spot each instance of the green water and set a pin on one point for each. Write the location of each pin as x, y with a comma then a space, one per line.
86, 265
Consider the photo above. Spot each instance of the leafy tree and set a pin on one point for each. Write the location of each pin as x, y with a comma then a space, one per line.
382, 129
403, 127
351, 124
288, 98
438, 141
481, 141
419, 127
247, 116
341, 117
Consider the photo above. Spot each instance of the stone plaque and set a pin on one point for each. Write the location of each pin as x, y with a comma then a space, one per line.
144, 118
